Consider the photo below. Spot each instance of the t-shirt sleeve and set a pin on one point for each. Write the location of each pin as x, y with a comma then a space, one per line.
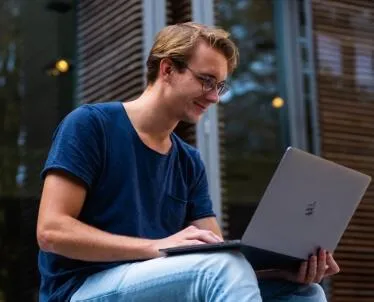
76, 146
199, 201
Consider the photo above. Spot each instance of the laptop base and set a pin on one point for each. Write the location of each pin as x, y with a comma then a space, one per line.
260, 259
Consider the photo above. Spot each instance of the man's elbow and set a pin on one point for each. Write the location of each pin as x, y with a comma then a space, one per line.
46, 238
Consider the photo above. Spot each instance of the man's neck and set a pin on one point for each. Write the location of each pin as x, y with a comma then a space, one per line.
151, 120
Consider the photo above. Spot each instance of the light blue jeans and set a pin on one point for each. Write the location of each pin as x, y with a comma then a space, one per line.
213, 277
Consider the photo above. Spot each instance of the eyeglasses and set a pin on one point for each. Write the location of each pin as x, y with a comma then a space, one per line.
210, 84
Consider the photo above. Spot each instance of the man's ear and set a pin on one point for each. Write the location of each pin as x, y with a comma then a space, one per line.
166, 68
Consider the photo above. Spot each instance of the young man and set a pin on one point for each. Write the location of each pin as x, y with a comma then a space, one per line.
119, 186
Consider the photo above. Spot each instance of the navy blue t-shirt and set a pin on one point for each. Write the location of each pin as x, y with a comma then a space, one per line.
132, 190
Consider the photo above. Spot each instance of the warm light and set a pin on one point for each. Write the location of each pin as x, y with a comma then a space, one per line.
277, 102
62, 65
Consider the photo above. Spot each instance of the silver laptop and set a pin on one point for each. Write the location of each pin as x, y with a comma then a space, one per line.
307, 205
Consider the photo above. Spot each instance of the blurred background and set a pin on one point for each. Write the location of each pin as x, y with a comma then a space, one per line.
305, 78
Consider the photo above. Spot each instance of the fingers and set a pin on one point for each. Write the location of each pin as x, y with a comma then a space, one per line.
333, 267
192, 242
312, 269
301, 275
315, 269
206, 236
321, 266
193, 233
219, 239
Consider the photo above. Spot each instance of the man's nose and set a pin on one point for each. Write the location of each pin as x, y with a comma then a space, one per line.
212, 96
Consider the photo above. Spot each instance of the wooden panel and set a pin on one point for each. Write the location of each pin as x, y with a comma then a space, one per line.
344, 41
109, 54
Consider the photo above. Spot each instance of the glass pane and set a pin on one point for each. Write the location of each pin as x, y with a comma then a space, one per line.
35, 94
255, 131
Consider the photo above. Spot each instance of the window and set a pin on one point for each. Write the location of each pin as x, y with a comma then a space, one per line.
254, 124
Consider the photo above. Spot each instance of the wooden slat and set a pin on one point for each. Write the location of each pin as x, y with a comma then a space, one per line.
358, 235
350, 158
356, 266
347, 88
347, 119
356, 278
335, 145
329, 93
353, 299
344, 4
363, 135
359, 228
362, 285
333, 104
352, 292
336, 21
353, 4
352, 256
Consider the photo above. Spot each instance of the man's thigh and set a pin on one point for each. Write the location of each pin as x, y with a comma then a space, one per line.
181, 278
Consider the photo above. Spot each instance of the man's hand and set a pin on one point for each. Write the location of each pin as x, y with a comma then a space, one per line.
189, 236
315, 269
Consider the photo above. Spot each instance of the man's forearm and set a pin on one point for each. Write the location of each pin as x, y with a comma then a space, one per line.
73, 239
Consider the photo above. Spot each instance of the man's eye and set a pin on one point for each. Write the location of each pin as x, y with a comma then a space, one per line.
205, 79
209, 82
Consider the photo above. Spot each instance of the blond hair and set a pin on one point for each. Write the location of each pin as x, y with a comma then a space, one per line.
178, 42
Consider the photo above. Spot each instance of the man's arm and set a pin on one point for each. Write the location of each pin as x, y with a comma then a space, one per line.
60, 232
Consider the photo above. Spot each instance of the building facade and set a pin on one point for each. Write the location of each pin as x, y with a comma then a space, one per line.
305, 78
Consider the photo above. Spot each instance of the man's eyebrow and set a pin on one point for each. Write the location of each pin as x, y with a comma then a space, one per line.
208, 75
212, 77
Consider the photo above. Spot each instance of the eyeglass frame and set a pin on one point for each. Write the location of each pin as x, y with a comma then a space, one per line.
207, 82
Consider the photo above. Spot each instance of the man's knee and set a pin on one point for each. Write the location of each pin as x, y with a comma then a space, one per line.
228, 275
318, 291
314, 290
